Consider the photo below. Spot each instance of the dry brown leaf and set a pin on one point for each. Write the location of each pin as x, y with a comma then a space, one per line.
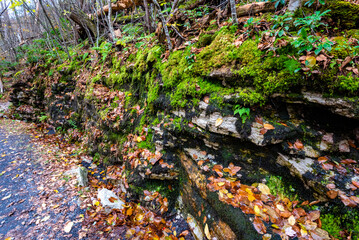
332, 194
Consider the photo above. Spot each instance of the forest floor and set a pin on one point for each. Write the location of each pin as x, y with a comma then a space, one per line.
36, 202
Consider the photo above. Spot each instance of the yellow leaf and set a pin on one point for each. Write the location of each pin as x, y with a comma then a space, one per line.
268, 126
206, 231
257, 210
220, 184
275, 226
140, 217
139, 139
230, 195
251, 198
291, 220
219, 121
264, 188
310, 61
303, 232
97, 203
68, 227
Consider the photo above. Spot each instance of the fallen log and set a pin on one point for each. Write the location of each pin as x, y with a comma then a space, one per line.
254, 8
120, 5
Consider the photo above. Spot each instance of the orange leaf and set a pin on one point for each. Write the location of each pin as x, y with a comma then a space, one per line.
268, 126
112, 199
355, 183
298, 145
323, 159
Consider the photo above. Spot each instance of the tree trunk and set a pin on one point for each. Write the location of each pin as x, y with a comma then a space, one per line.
147, 16
233, 11
81, 19
164, 25
109, 22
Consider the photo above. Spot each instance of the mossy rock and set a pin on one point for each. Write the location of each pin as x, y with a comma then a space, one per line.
344, 14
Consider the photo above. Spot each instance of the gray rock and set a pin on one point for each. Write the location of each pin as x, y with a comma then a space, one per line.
81, 173
338, 106
104, 195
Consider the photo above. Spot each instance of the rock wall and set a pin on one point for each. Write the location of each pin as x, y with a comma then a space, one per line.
217, 162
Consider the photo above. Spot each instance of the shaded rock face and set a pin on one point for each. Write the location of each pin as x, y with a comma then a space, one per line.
285, 138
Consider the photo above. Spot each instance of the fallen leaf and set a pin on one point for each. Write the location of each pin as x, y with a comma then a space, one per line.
206, 99
68, 227
348, 161
268, 126
112, 199
291, 220
355, 183
330, 186
298, 145
332, 194
263, 188
321, 57
45, 219
4, 198
259, 226
219, 121
263, 131
310, 61
206, 231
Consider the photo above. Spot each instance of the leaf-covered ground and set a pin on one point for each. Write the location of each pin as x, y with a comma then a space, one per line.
40, 198
36, 203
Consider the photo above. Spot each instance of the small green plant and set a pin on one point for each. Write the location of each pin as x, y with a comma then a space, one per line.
104, 49
281, 24
307, 40
243, 112
251, 24
72, 123
190, 61
43, 117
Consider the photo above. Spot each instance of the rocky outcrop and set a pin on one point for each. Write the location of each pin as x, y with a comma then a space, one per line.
309, 140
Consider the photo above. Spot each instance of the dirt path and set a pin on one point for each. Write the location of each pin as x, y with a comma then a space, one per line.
36, 201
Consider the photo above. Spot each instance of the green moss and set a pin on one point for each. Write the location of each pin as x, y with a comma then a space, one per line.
339, 219
205, 39
344, 14
281, 188
349, 83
